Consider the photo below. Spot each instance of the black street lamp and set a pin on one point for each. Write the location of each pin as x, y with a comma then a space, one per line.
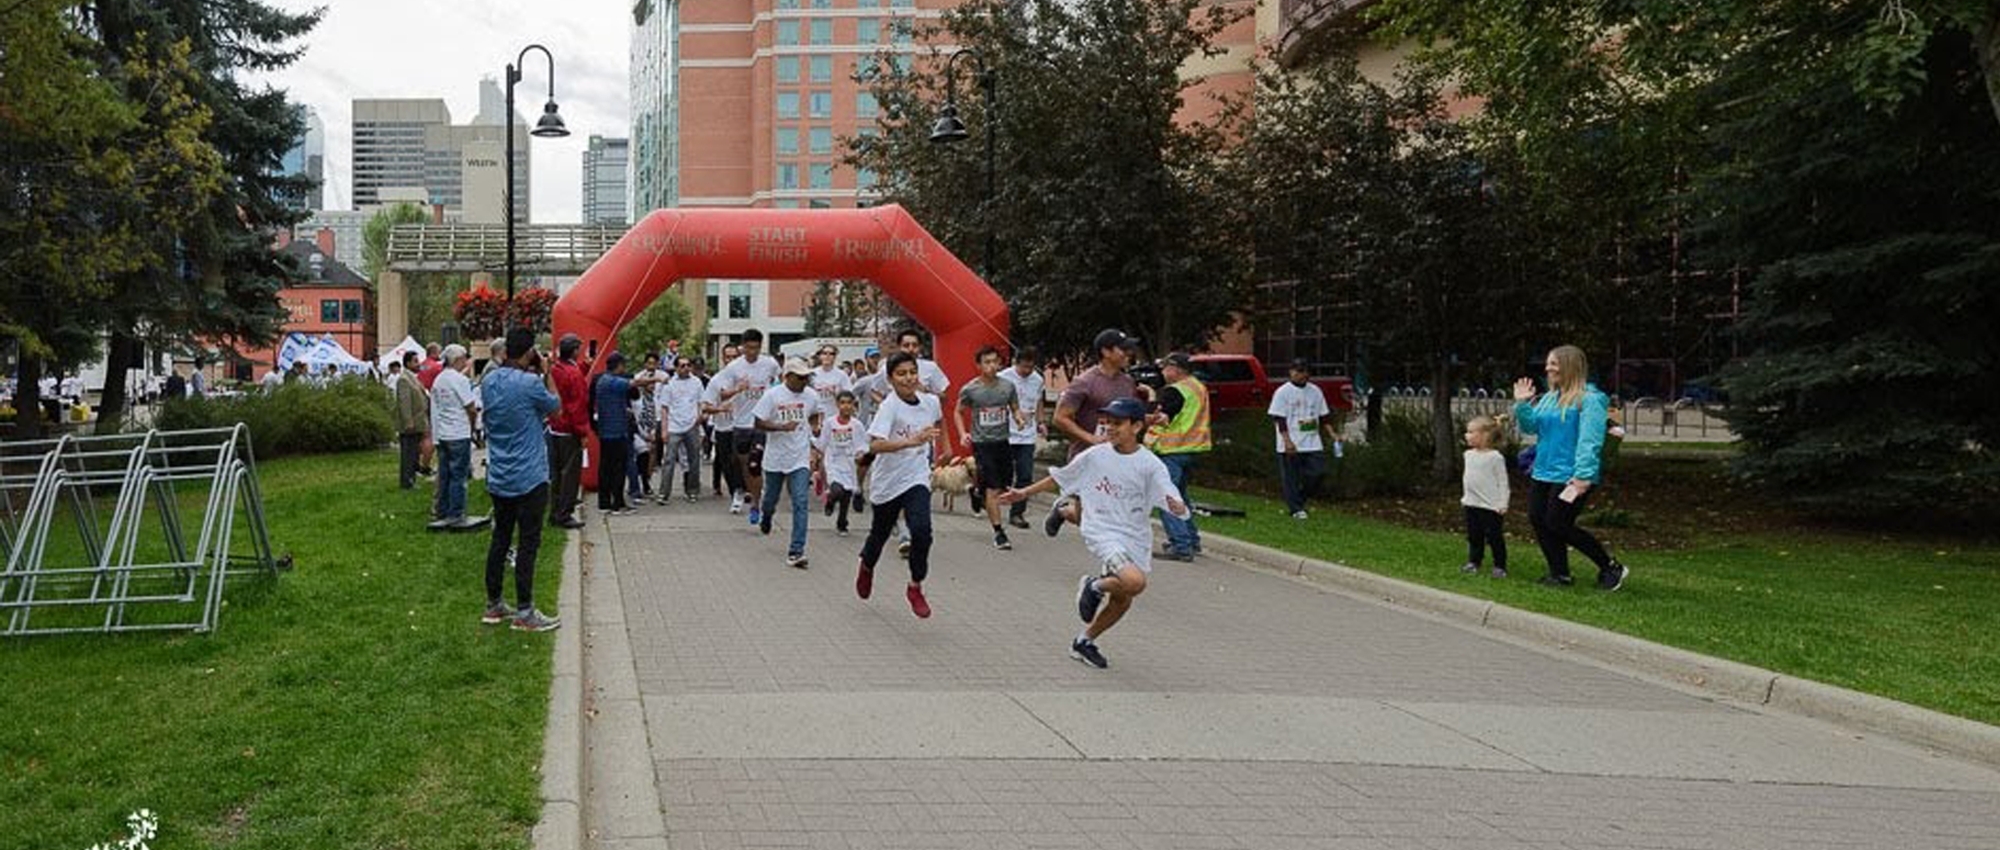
549, 127
948, 129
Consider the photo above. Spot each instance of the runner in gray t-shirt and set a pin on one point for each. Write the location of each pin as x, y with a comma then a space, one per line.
991, 404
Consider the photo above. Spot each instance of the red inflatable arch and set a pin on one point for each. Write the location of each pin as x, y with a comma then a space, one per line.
881, 244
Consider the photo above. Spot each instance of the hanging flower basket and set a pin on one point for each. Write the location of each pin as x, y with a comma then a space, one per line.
532, 309
481, 313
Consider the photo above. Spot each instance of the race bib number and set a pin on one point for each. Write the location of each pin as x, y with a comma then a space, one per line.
791, 413
843, 438
992, 417
1309, 424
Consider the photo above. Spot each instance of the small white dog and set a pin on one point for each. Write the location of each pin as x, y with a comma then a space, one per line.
954, 477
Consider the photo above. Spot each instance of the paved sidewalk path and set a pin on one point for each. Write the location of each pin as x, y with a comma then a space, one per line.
1241, 710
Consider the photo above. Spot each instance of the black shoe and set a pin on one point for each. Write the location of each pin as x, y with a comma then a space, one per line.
1087, 598
1054, 522
829, 505
1001, 542
859, 503
1086, 652
1613, 577
764, 524
978, 501
1555, 581
1017, 521
1176, 556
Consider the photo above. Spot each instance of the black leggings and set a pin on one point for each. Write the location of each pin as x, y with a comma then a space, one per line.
1482, 529
1554, 521
838, 499
913, 505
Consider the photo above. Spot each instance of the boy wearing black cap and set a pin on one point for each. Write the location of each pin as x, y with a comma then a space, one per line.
1125, 483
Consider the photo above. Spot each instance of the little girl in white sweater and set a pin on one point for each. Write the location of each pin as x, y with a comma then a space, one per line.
1485, 498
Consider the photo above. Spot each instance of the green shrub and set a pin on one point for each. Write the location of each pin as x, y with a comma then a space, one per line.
353, 413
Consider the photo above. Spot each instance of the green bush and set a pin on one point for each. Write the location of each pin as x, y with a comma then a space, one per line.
353, 413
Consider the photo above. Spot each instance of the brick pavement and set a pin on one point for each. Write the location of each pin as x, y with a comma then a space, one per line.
1241, 710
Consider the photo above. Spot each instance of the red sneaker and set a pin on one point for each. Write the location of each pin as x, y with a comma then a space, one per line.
918, 605
864, 581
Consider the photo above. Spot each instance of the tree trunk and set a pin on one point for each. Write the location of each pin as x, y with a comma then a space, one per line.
121, 354
1987, 45
28, 399
1443, 428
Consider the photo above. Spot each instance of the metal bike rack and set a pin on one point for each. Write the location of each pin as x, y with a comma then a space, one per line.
133, 569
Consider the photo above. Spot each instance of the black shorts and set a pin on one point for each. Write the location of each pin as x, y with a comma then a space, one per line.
747, 440
996, 465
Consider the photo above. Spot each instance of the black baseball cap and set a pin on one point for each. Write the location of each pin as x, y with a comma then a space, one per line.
1114, 338
1128, 408
1178, 360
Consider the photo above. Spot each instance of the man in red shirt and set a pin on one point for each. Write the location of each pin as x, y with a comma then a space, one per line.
567, 427
428, 375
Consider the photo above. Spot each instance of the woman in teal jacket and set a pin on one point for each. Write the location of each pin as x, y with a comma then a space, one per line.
1568, 422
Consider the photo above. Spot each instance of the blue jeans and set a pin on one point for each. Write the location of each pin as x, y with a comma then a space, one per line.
799, 481
1300, 472
454, 470
1024, 474
1182, 537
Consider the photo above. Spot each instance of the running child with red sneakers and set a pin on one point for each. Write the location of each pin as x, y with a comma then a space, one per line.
902, 436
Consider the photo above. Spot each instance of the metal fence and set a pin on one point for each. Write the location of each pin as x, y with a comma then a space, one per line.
1644, 418
127, 532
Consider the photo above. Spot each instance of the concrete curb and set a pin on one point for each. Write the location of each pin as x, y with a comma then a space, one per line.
561, 826
1700, 673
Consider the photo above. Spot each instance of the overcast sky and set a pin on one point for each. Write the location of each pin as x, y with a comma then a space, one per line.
440, 48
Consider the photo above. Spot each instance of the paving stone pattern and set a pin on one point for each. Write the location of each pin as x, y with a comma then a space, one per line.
1241, 710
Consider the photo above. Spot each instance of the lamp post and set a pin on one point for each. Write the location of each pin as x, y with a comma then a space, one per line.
550, 126
948, 129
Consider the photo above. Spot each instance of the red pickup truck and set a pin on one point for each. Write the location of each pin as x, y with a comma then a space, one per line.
1239, 382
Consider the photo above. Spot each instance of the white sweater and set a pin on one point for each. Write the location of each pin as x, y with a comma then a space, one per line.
1485, 480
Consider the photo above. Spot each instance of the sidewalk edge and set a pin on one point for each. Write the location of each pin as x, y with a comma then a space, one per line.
1733, 680
561, 824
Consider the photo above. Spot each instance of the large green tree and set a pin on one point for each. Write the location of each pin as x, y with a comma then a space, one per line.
1372, 200
1104, 214
1838, 152
216, 275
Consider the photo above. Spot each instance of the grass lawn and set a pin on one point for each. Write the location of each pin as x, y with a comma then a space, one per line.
1908, 620
354, 702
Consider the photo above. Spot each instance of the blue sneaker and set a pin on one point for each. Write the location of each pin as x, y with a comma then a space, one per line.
1087, 598
756, 517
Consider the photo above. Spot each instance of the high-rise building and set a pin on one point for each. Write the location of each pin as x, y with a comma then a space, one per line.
605, 163
411, 143
652, 178
744, 103
308, 159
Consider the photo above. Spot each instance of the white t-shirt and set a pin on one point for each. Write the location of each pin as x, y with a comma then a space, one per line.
840, 444
1028, 395
450, 393
1118, 493
679, 401
754, 379
896, 472
827, 384
786, 451
1485, 480
1302, 408
930, 379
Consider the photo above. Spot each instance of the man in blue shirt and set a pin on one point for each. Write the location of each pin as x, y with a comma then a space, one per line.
518, 397
611, 395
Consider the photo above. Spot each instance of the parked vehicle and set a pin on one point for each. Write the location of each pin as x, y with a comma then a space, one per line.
1239, 382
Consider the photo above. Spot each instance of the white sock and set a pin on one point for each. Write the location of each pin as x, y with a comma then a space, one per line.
1084, 635
1097, 585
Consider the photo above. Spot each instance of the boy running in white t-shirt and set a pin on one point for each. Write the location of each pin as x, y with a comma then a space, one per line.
842, 439
902, 437
1124, 483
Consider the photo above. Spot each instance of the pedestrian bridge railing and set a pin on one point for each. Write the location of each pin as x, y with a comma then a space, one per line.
128, 532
